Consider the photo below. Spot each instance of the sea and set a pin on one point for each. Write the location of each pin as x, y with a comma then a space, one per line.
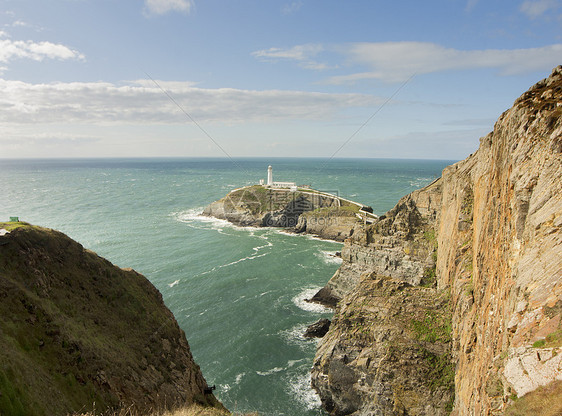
238, 293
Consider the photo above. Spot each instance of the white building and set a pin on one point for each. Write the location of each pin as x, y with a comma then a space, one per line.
271, 184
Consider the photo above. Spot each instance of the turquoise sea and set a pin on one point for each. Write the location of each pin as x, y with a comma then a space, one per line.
237, 292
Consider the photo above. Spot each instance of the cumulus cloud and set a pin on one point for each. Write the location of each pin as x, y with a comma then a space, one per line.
536, 8
160, 7
140, 102
37, 51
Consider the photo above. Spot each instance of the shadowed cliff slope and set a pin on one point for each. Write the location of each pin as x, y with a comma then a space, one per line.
78, 332
484, 242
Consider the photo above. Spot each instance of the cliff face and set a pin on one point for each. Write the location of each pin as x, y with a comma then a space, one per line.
500, 253
78, 332
302, 211
495, 220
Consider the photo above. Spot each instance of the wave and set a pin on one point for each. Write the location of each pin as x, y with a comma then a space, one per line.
239, 378
328, 257
295, 336
300, 388
174, 283
313, 237
307, 293
193, 217
270, 372
420, 182
233, 263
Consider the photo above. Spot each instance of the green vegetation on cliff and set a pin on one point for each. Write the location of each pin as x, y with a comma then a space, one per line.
77, 330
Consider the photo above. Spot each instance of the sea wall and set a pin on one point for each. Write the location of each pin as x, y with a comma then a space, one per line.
484, 244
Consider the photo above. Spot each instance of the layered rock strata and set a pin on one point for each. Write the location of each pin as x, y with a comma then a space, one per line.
495, 221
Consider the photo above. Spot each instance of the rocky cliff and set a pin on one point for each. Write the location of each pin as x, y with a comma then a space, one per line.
302, 211
453, 299
78, 332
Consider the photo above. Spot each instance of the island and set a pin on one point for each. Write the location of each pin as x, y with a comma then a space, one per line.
298, 209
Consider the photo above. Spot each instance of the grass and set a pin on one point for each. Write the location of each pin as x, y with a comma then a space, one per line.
433, 327
550, 341
193, 410
12, 225
544, 401
441, 369
429, 277
259, 200
68, 315
344, 210
431, 238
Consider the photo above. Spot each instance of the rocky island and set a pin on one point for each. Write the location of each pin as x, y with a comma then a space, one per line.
301, 210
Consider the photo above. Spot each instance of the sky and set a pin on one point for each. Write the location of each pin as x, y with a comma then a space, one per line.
266, 78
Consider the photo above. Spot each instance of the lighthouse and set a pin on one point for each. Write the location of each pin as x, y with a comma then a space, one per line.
269, 176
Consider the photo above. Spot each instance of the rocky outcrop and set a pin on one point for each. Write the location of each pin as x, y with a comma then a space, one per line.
318, 329
331, 224
388, 348
401, 244
304, 211
79, 332
387, 352
495, 219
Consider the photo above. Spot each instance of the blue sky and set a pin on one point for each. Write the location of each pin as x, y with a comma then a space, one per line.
409, 79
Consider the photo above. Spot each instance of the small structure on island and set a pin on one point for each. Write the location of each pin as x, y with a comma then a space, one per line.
270, 184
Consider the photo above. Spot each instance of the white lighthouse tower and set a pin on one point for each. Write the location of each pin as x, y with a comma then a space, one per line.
269, 176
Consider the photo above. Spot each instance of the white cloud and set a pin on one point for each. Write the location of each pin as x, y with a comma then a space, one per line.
536, 8
397, 61
37, 51
299, 52
160, 7
291, 7
140, 102
304, 54
51, 138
